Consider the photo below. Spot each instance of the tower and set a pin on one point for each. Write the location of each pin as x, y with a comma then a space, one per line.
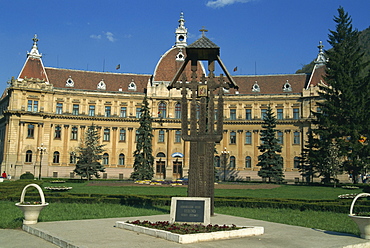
181, 33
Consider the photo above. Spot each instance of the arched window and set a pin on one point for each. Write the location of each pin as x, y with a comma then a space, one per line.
56, 156
161, 155
296, 162
232, 162
121, 159
28, 156
248, 162
162, 110
178, 111
217, 161
105, 159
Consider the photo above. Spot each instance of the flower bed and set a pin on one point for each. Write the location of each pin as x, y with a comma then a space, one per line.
57, 181
58, 188
347, 196
184, 228
194, 237
349, 187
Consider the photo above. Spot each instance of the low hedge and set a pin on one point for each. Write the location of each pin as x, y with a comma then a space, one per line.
338, 206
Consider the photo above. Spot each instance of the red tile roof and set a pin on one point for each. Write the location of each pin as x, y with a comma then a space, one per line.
167, 66
88, 80
33, 68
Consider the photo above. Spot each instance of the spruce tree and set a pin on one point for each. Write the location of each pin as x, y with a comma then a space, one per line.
270, 160
343, 115
143, 164
89, 155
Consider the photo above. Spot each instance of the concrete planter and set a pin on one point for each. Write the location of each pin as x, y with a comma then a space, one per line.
363, 222
31, 212
192, 238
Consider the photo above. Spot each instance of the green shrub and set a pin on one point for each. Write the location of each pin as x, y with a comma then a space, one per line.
27, 175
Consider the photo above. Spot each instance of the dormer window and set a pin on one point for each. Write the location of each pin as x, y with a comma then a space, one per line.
256, 87
69, 82
180, 56
287, 87
101, 85
132, 86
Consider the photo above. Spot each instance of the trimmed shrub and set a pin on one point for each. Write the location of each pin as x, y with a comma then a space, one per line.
27, 175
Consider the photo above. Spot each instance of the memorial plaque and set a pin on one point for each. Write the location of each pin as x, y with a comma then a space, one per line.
190, 210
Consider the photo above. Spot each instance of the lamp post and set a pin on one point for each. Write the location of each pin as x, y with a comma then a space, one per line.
225, 156
41, 149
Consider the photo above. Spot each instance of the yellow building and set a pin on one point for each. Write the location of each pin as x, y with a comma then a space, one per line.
45, 112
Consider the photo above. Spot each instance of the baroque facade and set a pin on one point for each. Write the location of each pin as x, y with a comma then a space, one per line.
45, 112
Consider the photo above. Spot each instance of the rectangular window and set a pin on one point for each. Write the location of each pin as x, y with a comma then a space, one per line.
59, 109
58, 132
91, 110
232, 114
33, 106
295, 113
76, 109
248, 138
280, 114
232, 137
280, 137
296, 138
263, 113
107, 111
29, 105
161, 136
248, 114
177, 136
138, 112
122, 135
123, 112
30, 131
178, 111
74, 133
106, 135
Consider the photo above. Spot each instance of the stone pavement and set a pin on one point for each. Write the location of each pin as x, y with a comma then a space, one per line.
102, 233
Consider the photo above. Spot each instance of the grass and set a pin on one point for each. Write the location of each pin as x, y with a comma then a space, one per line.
284, 191
12, 216
329, 221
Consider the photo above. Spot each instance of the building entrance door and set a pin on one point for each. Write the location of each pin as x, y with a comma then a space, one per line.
161, 169
177, 169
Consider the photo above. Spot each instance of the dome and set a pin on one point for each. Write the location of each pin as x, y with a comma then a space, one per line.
171, 62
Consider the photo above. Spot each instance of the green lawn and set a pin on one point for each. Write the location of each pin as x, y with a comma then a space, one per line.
284, 191
12, 216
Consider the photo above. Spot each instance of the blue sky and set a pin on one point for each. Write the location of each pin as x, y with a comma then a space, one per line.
257, 36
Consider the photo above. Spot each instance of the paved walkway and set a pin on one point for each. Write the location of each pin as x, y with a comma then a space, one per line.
102, 233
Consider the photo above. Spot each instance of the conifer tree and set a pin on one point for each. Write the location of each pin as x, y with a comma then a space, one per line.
89, 155
344, 117
143, 164
270, 160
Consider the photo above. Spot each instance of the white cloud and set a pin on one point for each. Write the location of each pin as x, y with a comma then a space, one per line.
110, 36
222, 3
96, 37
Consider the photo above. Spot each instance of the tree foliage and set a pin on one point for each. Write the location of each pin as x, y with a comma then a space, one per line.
143, 164
343, 117
270, 160
89, 155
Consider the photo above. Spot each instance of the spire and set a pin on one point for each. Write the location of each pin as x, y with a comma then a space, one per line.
320, 60
181, 33
33, 67
34, 51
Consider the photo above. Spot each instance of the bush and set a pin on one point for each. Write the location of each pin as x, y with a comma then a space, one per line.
27, 175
